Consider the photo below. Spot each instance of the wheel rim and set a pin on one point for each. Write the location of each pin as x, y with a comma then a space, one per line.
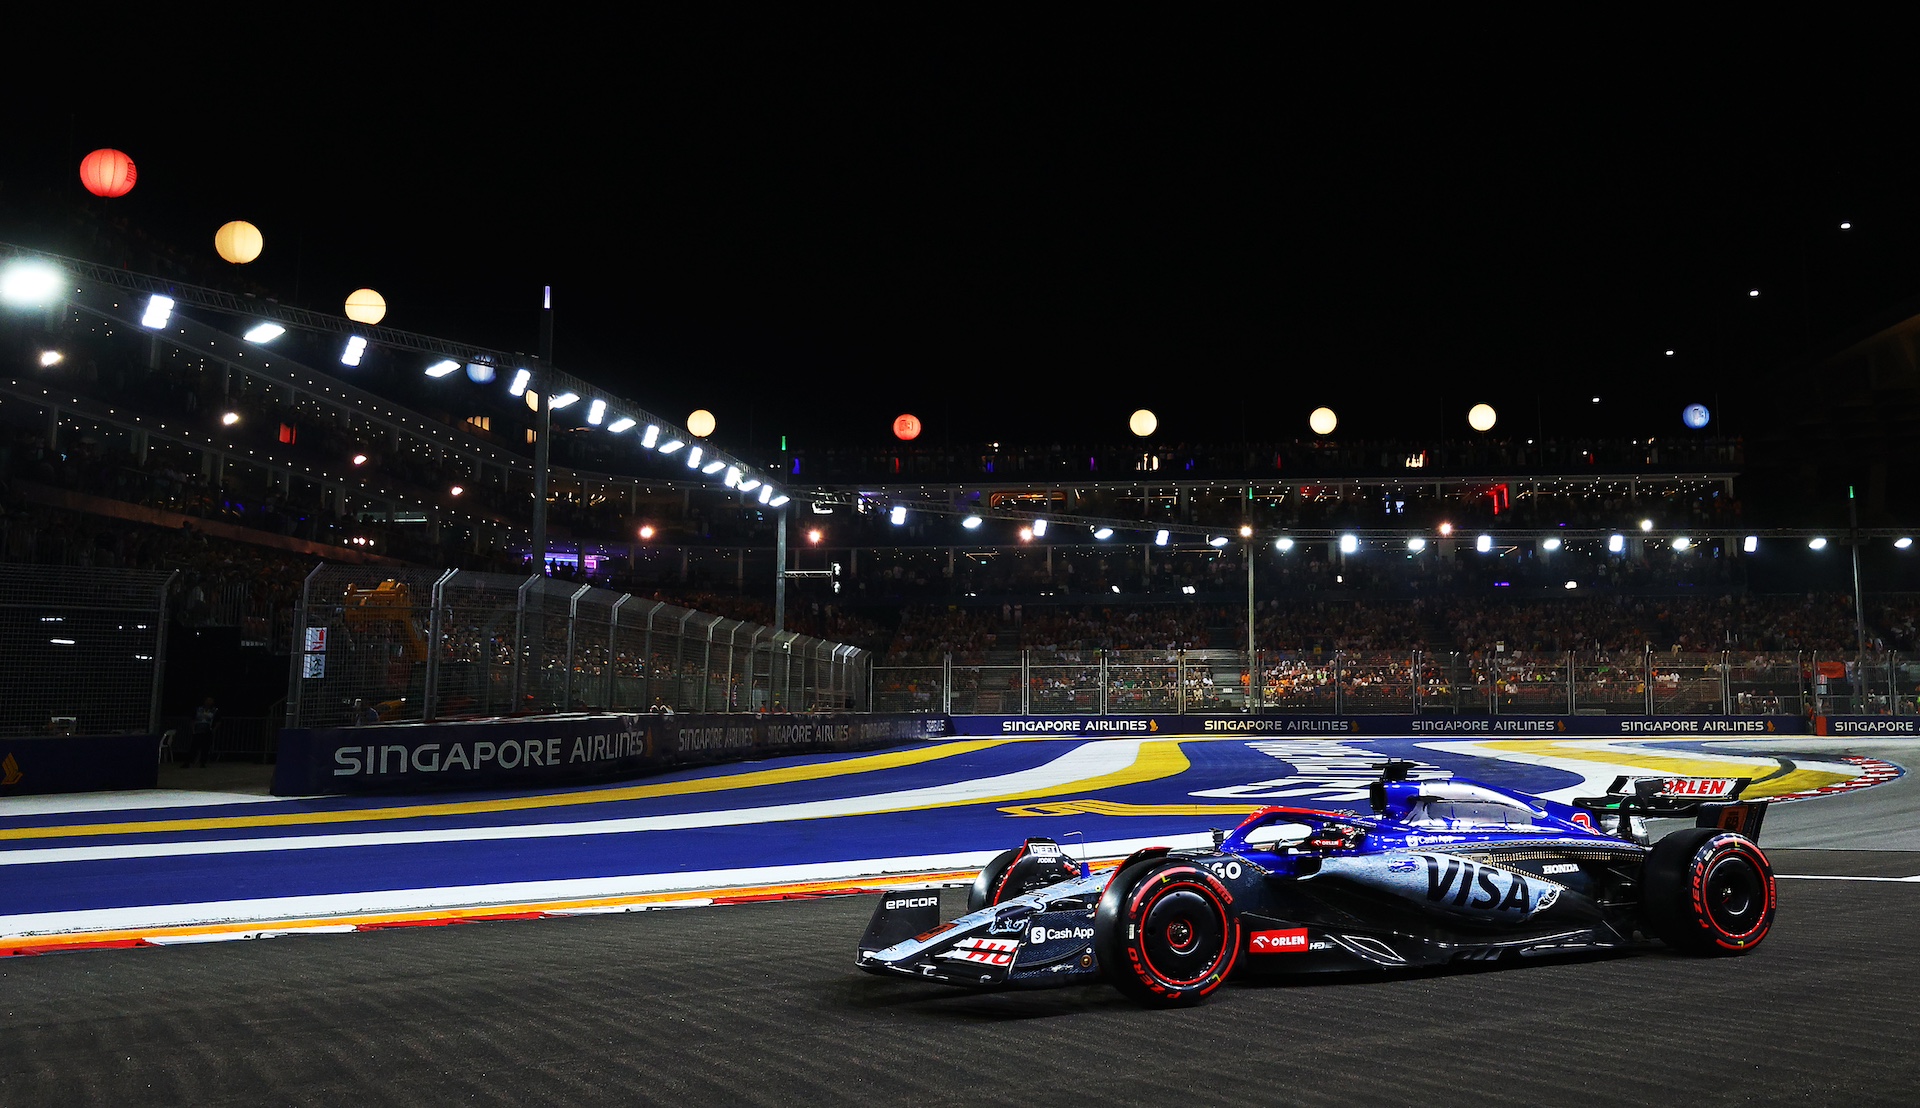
1182, 935
1735, 896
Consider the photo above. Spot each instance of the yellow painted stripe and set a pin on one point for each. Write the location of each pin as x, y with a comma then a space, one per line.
1682, 765
787, 775
1115, 808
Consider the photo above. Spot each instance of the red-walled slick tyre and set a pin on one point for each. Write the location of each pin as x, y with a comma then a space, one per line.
1166, 932
1707, 891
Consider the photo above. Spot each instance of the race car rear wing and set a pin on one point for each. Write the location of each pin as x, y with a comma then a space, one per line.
1713, 801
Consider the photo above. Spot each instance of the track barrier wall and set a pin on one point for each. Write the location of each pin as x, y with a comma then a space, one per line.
564, 750
1507, 727
34, 764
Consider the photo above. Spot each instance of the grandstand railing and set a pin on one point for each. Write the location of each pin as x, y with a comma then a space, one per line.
1047, 681
409, 645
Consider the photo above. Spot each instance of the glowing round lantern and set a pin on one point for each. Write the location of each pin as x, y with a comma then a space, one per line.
107, 173
238, 242
1323, 421
1696, 416
906, 427
1142, 423
1481, 417
366, 306
700, 423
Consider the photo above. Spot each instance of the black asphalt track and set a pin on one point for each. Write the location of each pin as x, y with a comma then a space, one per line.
760, 1004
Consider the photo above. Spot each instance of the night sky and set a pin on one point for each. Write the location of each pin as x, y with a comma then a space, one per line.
1023, 233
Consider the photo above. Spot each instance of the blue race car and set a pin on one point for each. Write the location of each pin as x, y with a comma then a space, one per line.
1441, 871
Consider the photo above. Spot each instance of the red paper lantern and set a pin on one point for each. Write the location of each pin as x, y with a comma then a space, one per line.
907, 427
107, 173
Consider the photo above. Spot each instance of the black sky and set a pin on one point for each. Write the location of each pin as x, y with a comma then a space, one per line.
1025, 233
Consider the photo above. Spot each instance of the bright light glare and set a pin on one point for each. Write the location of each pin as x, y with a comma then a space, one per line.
264, 332
520, 379
442, 367
50, 358
1902, 543
159, 310
458, 489
1217, 541
596, 411
359, 459
1751, 543
898, 516
355, 350
750, 484
1446, 529
1615, 544
1349, 544
651, 438
713, 467
564, 399
1040, 527
1483, 544
1551, 544
670, 446
1817, 543
693, 458
1681, 542
1416, 545
1103, 533
621, 424
970, 522
733, 477
1573, 584
1246, 532
1283, 544
1160, 538
34, 284
778, 500
228, 419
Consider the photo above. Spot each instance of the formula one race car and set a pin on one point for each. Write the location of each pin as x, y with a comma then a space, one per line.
1442, 871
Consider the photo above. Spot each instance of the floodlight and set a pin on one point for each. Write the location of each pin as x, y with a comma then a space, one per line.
1040, 527
355, 349
714, 466
51, 358
766, 493
1446, 529
1216, 541
596, 411
750, 484
1246, 531
778, 500
1646, 525
1349, 543
1902, 543
359, 459
159, 310
1283, 544
733, 477
1681, 542
228, 419
520, 379
1552, 543
264, 332
1573, 584
1752, 544
1817, 543
671, 445
970, 522
564, 399
1160, 538
693, 458
1103, 533
621, 424
1416, 545
899, 516
443, 367
34, 284
1615, 544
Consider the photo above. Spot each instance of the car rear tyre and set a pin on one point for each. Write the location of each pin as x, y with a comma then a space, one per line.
1708, 891
1166, 932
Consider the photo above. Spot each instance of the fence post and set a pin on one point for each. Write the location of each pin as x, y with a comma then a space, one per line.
160, 654
1100, 703
1339, 694
613, 651
297, 680
1726, 682
946, 683
521, 661
1646, 670
430, 691
1572, 700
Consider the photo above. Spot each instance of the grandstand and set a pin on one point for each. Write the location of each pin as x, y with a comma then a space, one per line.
1312, 574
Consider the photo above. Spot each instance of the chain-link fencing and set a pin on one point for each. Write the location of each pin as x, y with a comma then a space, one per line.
83, 650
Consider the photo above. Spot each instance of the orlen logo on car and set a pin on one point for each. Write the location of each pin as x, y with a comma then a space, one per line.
1279, 942
1698, 786
915, 902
